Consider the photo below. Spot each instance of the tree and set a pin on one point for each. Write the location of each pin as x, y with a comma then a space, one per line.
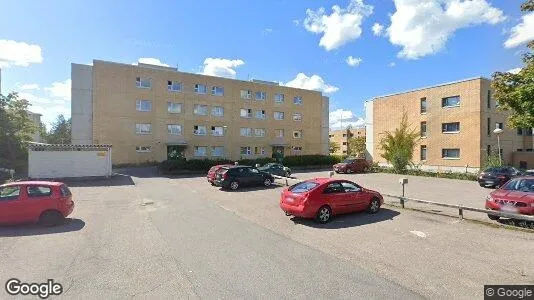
16, 129
356, 146
60, 133
515, 92
333, 146
398, 145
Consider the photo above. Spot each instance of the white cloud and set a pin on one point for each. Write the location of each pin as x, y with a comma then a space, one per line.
151, 61
522, 32
341, 118
377, 29
221, 67
392, 64
314, 82
341, 26
60, 90
29, 87
353, 61
267, 31
515, 70
422, 27
14, 53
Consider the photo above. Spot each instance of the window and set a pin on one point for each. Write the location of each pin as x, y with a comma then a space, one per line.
245, 151
489, 126
259, 150
527, 150
279, 133
297, 117
423, 129
259, 132
297, 100
450, 101
261, 114
488, 150
303, 187
174, 129
450, 153
174, 108
143, 148
344, 151
246, 113
297, 149
143, 128
278, 115
330, 135
199, 130
423, 152
65, 192
200, 88
334, 188
278, 98
143, 83
217, 91
344, 135
297, 134
9, 193
344, 143
217, 111
200, 109
174, 86
245, 131
519, 131
201, 150
528, 131
38, 191
499, 125
450, 127
143, 105
489, 99
519, 150
217, 151
246, 94
217, 130
260, 96
423, 105
349, 187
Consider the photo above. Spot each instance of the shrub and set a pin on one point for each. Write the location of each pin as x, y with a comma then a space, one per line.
311, 160
253, 162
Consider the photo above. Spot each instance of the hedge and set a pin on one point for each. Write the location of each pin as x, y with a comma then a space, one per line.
418, 172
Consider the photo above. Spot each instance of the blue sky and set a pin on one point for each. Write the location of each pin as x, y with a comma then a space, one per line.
416, 43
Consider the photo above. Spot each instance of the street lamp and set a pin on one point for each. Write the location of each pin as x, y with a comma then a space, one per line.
498, 132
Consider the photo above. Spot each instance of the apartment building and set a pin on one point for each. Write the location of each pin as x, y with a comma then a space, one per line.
342, 136
456, 121
152, 113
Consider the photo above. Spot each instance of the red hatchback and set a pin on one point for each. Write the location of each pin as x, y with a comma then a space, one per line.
515, 196
35, 201
322, 198
213, 170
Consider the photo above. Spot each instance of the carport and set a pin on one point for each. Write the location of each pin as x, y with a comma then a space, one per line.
68, 161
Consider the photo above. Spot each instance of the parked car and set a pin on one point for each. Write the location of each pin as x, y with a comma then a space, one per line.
516, 196
35, 201
352, 165
497, 176
323, 198
234, 177
212, 171
276, 169
527, 173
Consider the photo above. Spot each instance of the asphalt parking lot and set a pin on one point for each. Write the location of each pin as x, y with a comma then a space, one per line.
144, 236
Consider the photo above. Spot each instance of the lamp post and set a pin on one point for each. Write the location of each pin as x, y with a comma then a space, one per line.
498, 132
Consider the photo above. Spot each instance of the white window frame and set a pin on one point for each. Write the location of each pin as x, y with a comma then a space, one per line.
196, 131
139, 105
450, 157
143, 149
170, 130
217, 91
276, 131
139, 127
261, 152
279, 98
261, 131
170, 104
297, 100
280, 113
263, 96
197, 109
455, 105
196, 152
245, 94
262, 114
248, 131
248, 151
248, 113
197, 88
299, 134
171, 86
215, 154
140, 82
215, 109
444, 125
297, 117
214, 130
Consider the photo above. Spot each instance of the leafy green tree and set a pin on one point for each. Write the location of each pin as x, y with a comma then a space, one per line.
16, 129
60, 133
398, 145
515, 92
356, 146
493, 160
333, 146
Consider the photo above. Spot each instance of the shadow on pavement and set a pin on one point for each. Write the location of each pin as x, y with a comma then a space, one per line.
71, 224
114, 180
350, 220
252, 188
152, 172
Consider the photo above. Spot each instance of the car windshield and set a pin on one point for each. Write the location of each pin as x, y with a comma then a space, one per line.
303, 187
348, 161
520, 185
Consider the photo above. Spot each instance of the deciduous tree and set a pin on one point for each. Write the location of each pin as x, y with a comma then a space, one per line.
398, 145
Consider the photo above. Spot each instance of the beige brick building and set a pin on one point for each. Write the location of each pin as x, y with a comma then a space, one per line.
456, 121
150, 113
341, 137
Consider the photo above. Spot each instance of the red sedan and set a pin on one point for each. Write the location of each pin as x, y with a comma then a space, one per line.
35, 201
515, 196
213, 170
322, 198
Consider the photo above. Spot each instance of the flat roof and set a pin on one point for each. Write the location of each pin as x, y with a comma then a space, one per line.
431, 86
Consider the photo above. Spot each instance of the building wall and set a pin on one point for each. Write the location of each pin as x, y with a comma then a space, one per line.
369, 131
65, 164
325, 125
341, 137
82, 104
114, 114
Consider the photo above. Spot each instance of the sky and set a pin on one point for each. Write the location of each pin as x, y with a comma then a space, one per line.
351, 50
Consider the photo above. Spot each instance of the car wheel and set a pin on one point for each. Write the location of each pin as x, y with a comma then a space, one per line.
365, 169
234, 185
482, 185
324, 214
348, 171
51, 218
267, 182
374, 206
493, 217
288, 174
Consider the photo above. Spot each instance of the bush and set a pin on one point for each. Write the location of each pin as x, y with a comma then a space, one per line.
311, 160
419, 172
253, 162
201, 165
